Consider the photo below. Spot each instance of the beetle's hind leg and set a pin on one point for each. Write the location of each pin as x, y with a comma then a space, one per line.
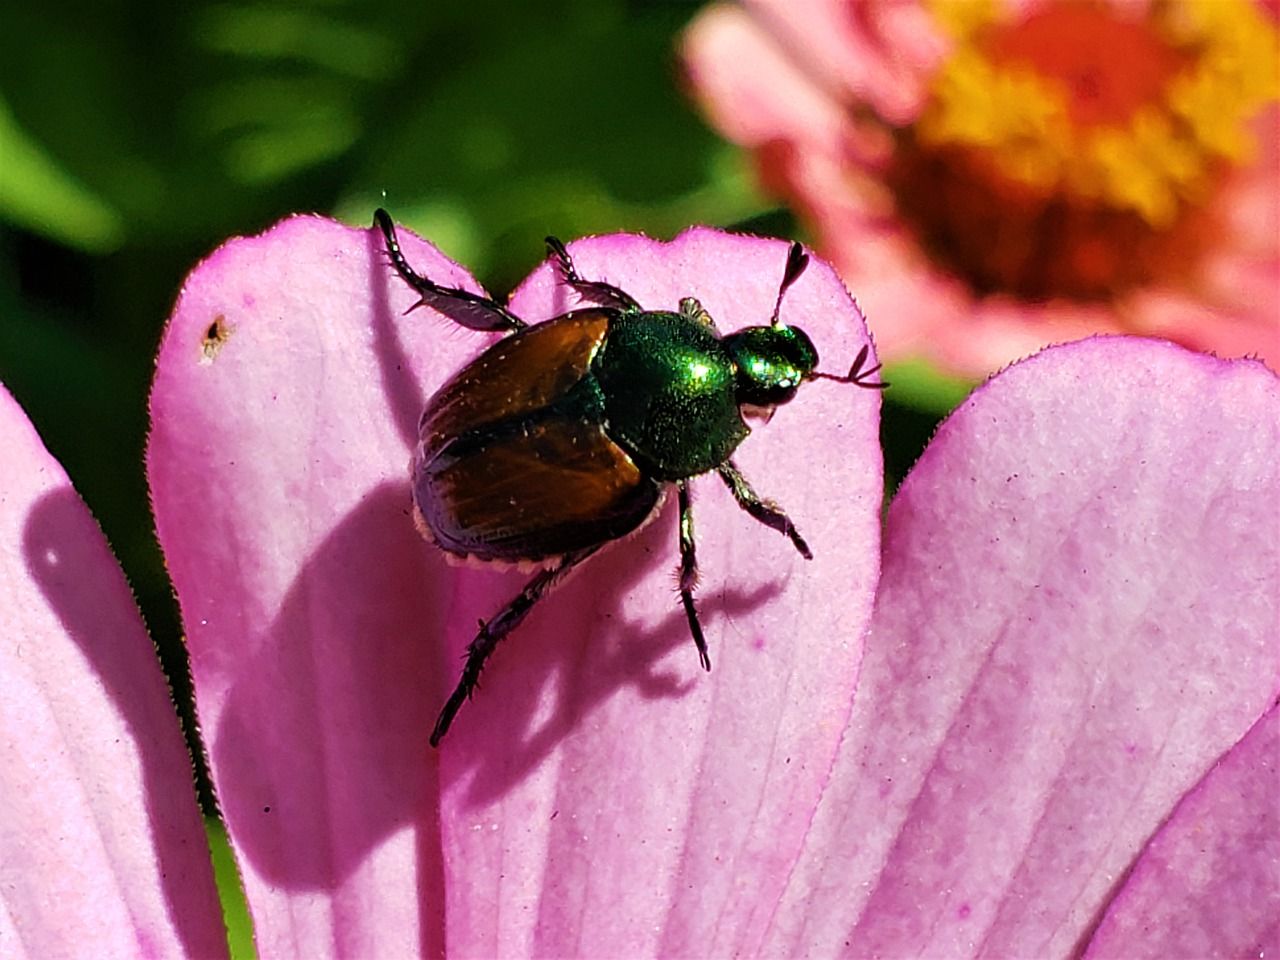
461, 306
689, 574
597, 291
502, 623
768, 513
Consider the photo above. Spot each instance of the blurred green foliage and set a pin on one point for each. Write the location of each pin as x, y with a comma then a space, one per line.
135, 137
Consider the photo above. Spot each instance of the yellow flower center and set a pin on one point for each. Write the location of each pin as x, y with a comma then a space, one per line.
1073, 151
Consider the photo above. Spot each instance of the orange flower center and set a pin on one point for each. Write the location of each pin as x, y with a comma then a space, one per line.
1075, 152
1107, 69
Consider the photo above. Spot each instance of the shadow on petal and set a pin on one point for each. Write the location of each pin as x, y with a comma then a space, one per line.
60, 542
324, 737
513, 725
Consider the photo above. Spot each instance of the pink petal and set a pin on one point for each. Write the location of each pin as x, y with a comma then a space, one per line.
655, 809
102, 851
1208, 885
773, 100
324, 635
1077, 617
877, 51
287, 389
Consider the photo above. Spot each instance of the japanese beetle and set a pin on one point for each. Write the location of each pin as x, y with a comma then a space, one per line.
563, 436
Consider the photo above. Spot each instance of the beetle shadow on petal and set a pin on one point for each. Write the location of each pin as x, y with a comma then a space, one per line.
321, 755
578, 635
321, 752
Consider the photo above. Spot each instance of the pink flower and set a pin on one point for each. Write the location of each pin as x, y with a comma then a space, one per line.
993, 177
1063, 734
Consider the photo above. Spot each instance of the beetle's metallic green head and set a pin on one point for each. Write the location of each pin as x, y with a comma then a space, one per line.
772, 362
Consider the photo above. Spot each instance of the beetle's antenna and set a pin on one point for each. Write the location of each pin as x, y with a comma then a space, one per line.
797, 260
856, 375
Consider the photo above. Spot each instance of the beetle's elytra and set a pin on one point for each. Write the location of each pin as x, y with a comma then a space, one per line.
561, 437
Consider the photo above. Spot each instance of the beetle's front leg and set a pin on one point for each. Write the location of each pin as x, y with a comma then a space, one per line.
689, 574
461, 306
768, 513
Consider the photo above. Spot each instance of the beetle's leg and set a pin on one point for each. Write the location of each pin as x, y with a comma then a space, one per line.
461, 306
502, 623
689, 574
597, 291
766, 511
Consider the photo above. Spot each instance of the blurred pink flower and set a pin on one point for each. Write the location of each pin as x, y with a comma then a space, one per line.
1065, 727
990, 177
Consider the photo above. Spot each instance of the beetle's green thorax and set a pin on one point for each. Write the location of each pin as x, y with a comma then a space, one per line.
669, 388
772, 362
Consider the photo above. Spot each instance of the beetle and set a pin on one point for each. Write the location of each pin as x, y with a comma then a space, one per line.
564, 436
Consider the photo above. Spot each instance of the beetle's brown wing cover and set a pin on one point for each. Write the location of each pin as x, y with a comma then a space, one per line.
518, 375
552, 487
500, 477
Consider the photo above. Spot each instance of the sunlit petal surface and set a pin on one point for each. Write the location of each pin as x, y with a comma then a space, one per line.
102, 850
597, 758
1077, 618
1208, 885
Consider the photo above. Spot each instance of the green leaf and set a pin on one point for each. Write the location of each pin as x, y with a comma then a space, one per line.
918, 384
38, 193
